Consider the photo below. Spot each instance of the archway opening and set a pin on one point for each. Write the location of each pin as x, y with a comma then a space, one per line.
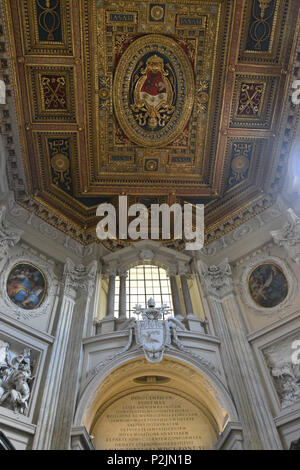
154, 419
164, 406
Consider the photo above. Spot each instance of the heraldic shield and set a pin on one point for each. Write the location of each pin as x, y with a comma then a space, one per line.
153, 336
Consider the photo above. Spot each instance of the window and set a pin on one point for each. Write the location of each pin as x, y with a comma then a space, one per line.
142, 283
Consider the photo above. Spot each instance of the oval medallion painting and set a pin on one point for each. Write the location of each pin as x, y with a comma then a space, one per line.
26, 286
268, 285
153, 90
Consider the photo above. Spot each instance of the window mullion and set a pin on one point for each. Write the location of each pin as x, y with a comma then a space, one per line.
144, 275
137, 281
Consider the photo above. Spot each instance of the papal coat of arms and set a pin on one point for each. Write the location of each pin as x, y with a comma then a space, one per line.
153, 333
153, 90
153, 94
156, 332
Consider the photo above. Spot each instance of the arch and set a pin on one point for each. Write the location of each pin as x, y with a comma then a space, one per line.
188, 378
147, 251
142, 253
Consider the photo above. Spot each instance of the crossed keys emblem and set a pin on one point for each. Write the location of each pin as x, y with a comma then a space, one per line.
250, 98
54, 92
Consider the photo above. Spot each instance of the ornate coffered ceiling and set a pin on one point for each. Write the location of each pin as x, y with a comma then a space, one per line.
165, 102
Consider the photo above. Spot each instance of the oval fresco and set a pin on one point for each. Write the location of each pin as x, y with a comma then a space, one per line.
153, 90
268, 285
26, 286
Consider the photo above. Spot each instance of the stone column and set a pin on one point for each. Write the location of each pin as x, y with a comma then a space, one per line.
239, 363
289, 236
122, 294
83, 283
175, 297
186, 296
108, 323
75, 279
111, 296
191, 322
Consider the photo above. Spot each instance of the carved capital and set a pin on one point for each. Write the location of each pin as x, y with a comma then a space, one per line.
218, 279
173, 270
182, 268
8, 237
79, 277
289, 236
111, 269
122, 272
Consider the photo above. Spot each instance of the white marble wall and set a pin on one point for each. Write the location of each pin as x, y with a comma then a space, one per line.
242, 339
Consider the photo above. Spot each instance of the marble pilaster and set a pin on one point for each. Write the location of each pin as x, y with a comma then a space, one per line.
238, 360
63, 368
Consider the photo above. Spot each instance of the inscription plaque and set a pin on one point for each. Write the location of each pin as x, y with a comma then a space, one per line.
153, 420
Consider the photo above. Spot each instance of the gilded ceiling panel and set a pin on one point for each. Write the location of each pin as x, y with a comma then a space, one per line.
170, 101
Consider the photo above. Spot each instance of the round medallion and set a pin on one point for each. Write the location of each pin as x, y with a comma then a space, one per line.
60, 162
153, 91
240, 164
203, 97
104, 93
157, 12
268, 286
151, 165
26, 286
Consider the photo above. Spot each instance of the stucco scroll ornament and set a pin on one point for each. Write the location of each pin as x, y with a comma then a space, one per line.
154, 335
286, 378
79, 277
289, 236
15, 379
8, 237
218, 279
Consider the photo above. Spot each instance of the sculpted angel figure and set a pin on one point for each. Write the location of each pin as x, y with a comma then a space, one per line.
15, 390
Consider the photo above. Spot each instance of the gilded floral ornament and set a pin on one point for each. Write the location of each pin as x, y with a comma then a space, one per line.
202, 97
153, 90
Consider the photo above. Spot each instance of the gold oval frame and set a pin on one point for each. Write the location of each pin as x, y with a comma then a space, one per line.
45, 284
126, 67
